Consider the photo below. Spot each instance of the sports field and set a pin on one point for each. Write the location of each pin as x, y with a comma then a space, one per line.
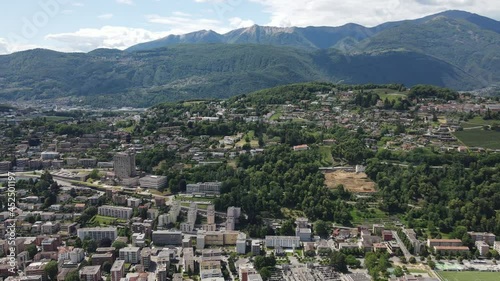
468, 276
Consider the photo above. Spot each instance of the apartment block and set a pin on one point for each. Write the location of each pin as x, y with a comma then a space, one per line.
488, 238
444, 242
130, 254
153, 182
124, 165
90, 273
117, 270
163, 237
283, 241
205, 188
97, 233
115, 211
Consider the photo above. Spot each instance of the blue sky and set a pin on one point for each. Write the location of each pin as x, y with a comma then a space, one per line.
81, 26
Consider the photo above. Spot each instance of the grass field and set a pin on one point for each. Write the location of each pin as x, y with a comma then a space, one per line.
373, 215
476, 122
479, 138
389, 94
102, 220
326, 155
468, 276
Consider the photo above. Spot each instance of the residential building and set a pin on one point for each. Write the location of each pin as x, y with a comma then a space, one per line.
447, 250
205, 188
117, 270
488, 238
282, 241
444, 242
130, 254
164, 237
188, 259
244, 270
482, 247
154, 182
241, 244
256, 247
97, 233
134, 202
124, 165
161, 273
90, 273
146, 258
76, 255
37, 268
210, 214
115, 211
100, 258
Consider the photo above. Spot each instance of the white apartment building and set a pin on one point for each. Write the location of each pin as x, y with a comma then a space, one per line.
97, 233
283, 241
130, 254
115, 211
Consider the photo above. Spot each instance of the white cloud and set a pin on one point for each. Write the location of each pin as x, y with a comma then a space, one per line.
116, 37
105, 16
370, 13
240, 23
7, 47
180, 23
126, 2
210, 1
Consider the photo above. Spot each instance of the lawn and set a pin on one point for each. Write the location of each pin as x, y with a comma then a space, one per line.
326, 155
276, 116
468, 276
476, 122
102, 220
389, 94
372, 215
479, 138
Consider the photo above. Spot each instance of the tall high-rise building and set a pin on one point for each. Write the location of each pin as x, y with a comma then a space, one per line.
124, 165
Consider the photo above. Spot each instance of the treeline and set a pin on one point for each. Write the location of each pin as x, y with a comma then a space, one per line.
293, 93
281, 178
427, 91
449, 196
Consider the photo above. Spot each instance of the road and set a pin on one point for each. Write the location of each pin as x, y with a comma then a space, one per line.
407, 254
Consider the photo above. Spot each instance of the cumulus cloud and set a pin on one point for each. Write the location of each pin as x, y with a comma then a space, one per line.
105, 16
369, 13
240, 23
180, 23
115, 37
8, 47
126, 2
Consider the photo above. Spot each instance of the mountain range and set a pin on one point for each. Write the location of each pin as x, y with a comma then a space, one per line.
454, 49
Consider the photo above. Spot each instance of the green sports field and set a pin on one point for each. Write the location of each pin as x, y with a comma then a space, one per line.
468, 276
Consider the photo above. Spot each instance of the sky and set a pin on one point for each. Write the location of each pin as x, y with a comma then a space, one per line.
82, 26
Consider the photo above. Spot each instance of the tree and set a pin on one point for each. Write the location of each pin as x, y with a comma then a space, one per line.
78, 242
338, 261
322, 228
118, 245
72, 276
94, 174
105, 242
51, 270
32, 250
89, 245
287, 228
412, 260
398, 271
106, 266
